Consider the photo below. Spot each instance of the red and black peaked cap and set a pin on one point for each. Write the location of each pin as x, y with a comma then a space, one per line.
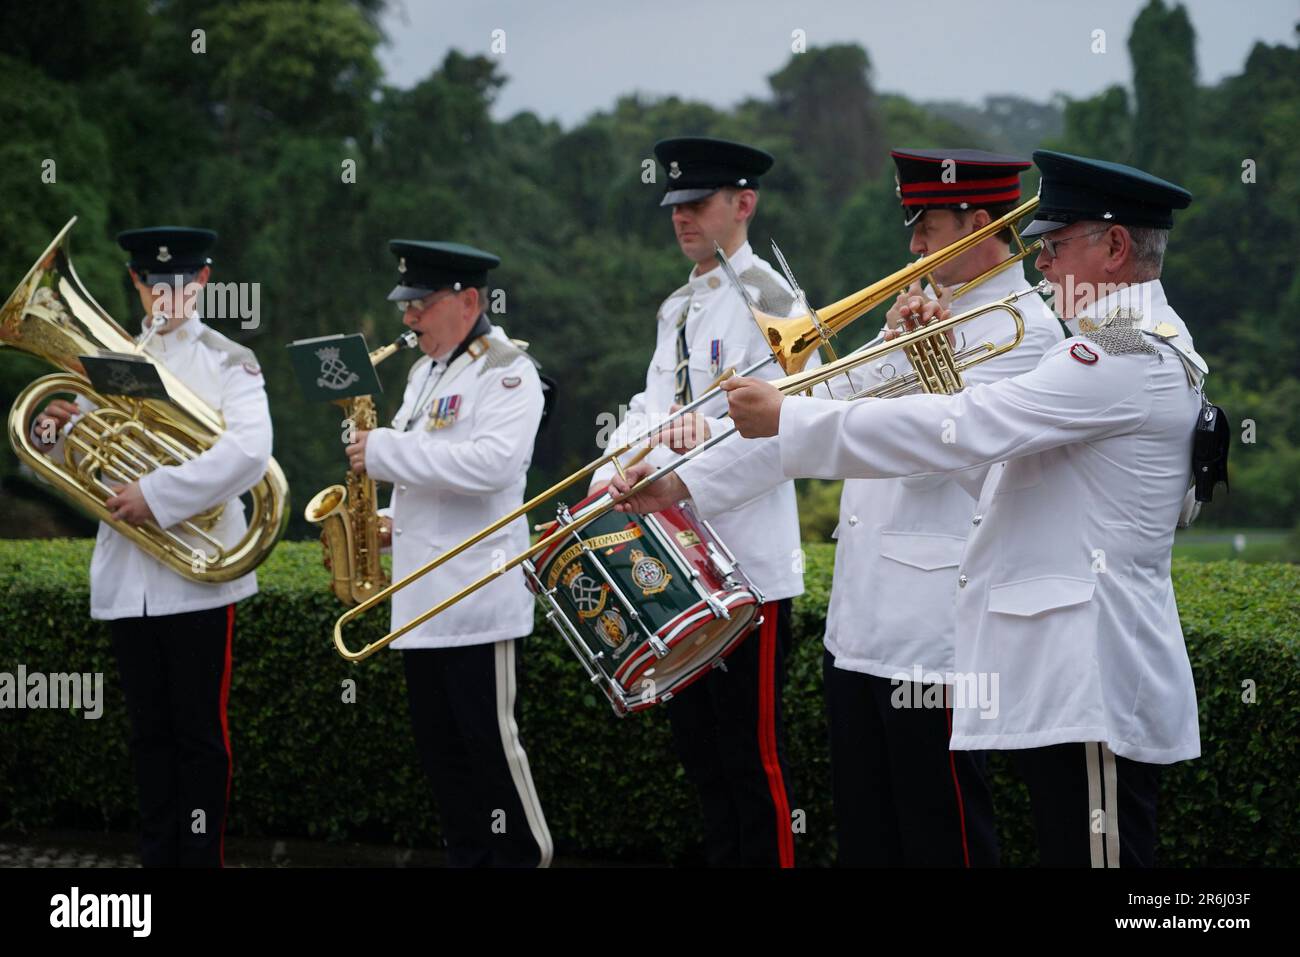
954, 179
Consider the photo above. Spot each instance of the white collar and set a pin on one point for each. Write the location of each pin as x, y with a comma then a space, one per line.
1142, 299
715, 278
186, 333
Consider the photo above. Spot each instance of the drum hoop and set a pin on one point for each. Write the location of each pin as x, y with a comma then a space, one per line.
696, 615
693, 677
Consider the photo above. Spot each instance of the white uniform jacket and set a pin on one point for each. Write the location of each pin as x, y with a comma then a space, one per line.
898, 540
764, 533
1063, 589
457, 455
125, 582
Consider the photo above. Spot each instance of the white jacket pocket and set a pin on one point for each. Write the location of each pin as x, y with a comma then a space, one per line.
1033, 596
924, 550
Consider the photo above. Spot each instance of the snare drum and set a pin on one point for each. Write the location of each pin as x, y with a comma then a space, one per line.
648, 603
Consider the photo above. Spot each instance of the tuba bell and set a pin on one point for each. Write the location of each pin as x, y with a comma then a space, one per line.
51, 315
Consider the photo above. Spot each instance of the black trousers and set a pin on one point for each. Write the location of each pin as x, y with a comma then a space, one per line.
462, 704
901, 798
175, 672
1091, 807
729, 733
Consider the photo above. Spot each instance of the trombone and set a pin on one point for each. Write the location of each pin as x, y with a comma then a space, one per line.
792, 341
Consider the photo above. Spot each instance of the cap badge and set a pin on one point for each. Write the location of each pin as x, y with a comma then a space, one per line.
898, 188
674, 171
742, 182
401, 264
1083, 353
163, 255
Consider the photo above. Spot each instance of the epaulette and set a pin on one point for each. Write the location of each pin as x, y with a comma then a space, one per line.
232, 352
1118, 341
493, 353
522, 346
772, 296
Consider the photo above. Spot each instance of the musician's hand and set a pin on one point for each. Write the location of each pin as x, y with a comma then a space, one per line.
655, 497
52, 420
755, 406
682, 434
915, 311
385, 532
357, 451
128, 504
894, 317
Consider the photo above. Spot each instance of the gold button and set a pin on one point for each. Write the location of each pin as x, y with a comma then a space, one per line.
714, 282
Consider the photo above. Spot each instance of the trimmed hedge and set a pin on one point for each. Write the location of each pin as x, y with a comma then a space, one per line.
309, 764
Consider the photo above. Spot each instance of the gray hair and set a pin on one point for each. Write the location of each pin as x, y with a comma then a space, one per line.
1148, 249
1149, 243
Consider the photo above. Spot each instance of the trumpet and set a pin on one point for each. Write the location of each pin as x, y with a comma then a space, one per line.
348, 514
936, 368
794, 340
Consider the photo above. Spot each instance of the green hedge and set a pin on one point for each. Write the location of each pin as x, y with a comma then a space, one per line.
308, 764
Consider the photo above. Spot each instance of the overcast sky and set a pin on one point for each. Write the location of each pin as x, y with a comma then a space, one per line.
566, 59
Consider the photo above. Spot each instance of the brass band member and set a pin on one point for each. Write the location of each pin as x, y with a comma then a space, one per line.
457, 455
728, 728
173, 636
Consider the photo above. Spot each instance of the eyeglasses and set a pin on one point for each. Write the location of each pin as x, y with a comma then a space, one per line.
423, 303
1050, 245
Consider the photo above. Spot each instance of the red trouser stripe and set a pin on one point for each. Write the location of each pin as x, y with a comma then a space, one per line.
767, 734
956, 786
225, 723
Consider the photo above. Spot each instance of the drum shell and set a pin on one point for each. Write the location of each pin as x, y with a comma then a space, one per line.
659, 566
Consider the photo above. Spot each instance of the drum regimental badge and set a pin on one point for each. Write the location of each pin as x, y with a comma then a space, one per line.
650, 574
588, 595
612, 628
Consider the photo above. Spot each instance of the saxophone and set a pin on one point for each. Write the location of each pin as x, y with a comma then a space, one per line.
348, 514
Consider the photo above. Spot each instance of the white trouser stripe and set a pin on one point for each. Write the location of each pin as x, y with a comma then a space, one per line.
1110, 777
1094, 805
516, 759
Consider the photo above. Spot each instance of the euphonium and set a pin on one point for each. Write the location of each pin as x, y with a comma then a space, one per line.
348, 514
50, 314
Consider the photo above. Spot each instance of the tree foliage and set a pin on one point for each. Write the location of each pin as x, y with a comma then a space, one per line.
253, 137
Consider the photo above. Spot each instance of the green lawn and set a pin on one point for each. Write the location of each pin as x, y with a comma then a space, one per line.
1215, 544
